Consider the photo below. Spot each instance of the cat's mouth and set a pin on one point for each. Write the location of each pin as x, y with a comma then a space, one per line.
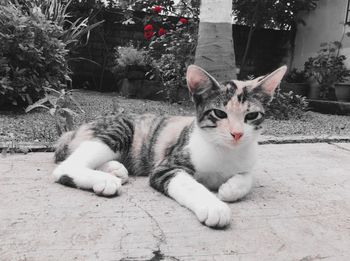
236, 142
229, 143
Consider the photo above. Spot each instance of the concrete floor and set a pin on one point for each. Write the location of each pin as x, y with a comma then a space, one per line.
298, 210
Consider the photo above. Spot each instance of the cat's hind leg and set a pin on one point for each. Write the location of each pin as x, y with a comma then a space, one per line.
79, 169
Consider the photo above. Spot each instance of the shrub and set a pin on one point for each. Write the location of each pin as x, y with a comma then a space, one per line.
327, 67
33, 56
172, 53
130, 56
296, 76
36, 38
171, 33
286, 106
172, 75
61, 106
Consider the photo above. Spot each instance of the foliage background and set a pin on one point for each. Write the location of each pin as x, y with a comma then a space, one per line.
32, 55
37, 39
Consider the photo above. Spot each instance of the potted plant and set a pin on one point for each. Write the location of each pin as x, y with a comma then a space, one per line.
325, 70
295, 81
342, 91
130, 70
132, 62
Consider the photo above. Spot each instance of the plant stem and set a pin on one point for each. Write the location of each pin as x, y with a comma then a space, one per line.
252, 28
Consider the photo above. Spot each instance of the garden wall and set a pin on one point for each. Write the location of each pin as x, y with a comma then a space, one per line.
269, 47
325, 24
100, 49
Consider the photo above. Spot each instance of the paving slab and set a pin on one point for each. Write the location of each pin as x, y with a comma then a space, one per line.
299, 210
25, 147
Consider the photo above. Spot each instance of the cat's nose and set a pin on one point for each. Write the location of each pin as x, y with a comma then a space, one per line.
237, 135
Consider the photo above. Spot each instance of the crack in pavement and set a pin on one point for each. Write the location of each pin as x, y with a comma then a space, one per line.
339, 147
162, 237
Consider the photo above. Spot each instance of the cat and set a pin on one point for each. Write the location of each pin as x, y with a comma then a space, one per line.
186, 158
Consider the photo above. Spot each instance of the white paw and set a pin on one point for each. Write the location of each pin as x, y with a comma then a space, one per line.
108, 186
230, 192
121, 173
58, 172
213, 213
116, 169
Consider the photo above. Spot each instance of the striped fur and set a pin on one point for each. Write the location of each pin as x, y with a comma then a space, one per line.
183, 156
150, 154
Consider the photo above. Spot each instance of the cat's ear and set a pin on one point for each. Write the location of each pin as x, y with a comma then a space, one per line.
269, 83
199, 81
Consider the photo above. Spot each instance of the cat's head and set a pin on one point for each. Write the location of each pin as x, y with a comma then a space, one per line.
231, 112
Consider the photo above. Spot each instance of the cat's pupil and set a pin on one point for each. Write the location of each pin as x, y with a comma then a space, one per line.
220, 114
251, 116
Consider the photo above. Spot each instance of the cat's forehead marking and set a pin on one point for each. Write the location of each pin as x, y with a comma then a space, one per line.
234, 92
230, 85
237, 101
237, 104
233, 104
241, 84
227, 91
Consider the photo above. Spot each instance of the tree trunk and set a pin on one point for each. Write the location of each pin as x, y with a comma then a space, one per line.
244, 59
252, 28
215, 50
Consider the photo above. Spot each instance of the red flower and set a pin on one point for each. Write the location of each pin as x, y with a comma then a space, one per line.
183, 20
148, 32
157, 9
161, 31
148, 27
148, 35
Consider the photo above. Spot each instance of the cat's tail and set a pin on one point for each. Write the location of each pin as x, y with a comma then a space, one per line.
62, 146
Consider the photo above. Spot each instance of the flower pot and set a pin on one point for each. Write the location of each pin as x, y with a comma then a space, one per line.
297, 88
342, 92
135, 72
135, 75
314, 91
322, 92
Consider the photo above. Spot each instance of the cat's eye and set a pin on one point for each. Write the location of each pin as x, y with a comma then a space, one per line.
219, 114
252, 116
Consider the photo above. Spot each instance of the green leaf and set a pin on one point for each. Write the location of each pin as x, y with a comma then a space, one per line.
52, 111
32, 107
52, 90
69, 111
76, 104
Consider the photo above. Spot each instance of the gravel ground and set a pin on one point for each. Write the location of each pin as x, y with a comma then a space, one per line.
39, 126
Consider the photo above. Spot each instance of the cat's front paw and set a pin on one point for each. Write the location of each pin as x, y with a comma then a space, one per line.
214, 213
229, 193
116, 169
235, 188
108, 186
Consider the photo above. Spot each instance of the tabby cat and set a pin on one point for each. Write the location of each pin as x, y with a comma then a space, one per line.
185, 157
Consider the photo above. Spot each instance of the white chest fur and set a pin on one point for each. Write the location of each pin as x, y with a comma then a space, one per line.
215, 164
